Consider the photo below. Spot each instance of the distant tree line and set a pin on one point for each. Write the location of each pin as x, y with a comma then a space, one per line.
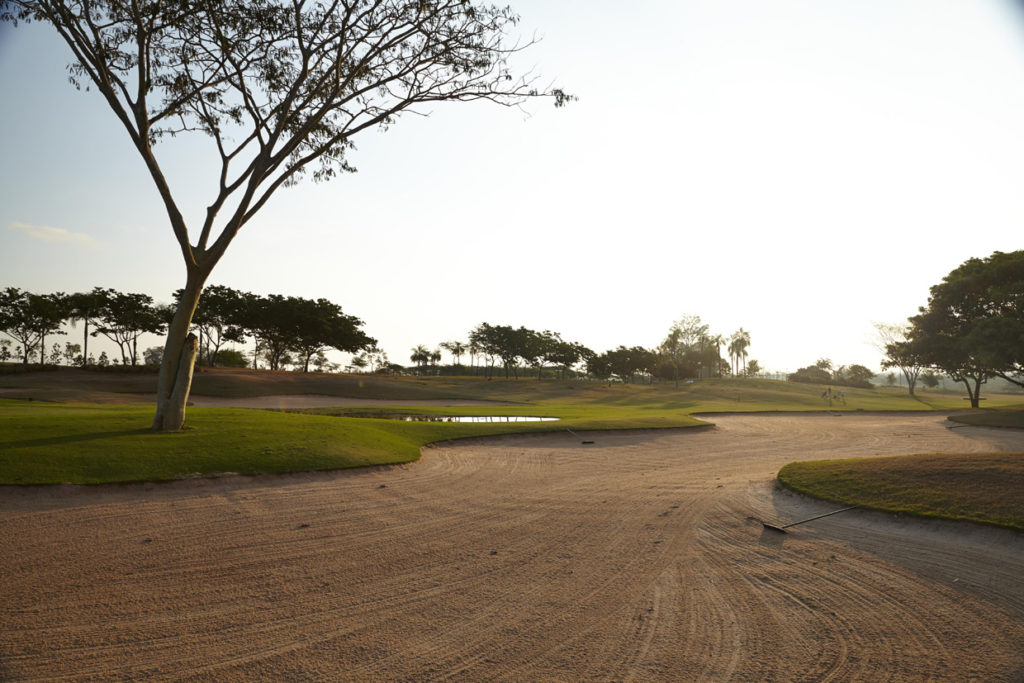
30, 318
285, 329
295, 332
825, 372
689, 351
972, 328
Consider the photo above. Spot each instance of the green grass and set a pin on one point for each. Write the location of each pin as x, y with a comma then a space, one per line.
983, 487
986, 417
99, 442
88, 444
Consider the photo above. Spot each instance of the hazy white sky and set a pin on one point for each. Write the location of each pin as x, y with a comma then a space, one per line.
796, 168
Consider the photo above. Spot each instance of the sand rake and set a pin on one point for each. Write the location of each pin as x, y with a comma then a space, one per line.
578, 436
782, 529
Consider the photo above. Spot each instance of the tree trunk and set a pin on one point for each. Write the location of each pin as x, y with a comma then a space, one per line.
179, 358
42, 350
85, 343
972, 393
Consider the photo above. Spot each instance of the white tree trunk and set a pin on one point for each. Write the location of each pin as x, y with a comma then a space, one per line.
179, 359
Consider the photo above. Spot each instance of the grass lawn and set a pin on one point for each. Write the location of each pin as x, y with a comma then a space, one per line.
43, 443
100, 441
987, 417
981, 487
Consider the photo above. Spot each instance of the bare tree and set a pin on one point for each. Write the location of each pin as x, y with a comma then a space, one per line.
281, 87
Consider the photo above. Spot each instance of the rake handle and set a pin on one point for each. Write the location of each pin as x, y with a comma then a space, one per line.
811, 519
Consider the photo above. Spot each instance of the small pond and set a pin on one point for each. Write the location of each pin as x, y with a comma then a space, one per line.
457, 418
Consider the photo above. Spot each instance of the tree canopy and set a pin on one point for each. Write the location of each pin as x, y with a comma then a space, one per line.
973, 325
900, 352
28, 318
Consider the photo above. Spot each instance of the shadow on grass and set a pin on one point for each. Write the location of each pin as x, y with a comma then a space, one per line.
74, 438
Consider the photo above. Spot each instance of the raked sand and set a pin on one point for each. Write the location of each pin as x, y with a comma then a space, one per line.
531, 557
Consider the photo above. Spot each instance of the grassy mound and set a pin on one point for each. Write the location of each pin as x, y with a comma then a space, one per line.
43, 443
1012, 418
984, 488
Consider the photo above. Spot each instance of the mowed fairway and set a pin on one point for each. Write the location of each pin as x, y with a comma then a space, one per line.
527, 557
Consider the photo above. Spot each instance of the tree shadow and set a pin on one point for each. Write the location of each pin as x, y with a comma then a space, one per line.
73, 438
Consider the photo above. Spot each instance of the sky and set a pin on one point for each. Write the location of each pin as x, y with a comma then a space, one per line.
798, 169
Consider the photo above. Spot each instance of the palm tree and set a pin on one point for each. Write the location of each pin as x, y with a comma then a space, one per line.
738, 344
473, 349
420, 356
716, 341
455, 348
733, 352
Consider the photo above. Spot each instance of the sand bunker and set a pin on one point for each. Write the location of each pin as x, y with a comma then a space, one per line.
529, 557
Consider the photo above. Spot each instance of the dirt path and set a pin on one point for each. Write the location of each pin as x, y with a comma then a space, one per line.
519, 558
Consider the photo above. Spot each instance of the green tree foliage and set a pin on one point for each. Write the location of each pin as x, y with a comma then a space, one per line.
320, 325
216, 320
562, 354
824, 372
127, 316
231, 358
685, 350
153, 355
738, 344
689, 350
28, 318
900, 352
513, 346
503, 342
284, 325
420, 356
812, 374
266, 319
372, 358
972, 328
456, 348
624, 363
49, 312
853, 376
87, 307
73, 354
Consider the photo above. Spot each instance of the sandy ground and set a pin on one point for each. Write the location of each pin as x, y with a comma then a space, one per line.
519, 558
